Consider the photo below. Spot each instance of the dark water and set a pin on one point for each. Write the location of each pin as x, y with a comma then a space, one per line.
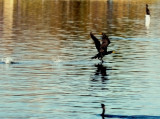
53, 75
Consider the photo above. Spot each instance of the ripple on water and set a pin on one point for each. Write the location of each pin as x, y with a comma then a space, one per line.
55, 77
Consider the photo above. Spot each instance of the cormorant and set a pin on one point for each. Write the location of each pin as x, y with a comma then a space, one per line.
103, 109
101, 47
147, 19
126, 116
147, 10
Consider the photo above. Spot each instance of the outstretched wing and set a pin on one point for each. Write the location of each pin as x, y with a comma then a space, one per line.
105, 43
96, 41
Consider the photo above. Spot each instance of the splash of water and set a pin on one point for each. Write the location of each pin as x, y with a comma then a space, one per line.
56, 59
7, 60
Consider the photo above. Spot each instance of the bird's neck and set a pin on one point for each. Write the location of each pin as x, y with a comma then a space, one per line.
103, 110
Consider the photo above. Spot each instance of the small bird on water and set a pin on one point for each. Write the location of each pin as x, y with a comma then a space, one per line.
103, 109
126, 116
147, 10
147, 19
101, 47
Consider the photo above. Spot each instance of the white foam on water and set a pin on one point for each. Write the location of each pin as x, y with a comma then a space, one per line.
56, 59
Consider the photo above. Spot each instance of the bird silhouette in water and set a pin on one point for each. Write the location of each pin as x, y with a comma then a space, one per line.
101, 72
101, 47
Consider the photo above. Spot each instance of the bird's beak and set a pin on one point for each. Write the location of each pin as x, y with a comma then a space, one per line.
113, 52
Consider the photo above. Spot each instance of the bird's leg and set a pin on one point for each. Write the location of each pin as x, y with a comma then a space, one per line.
102, 60
101, 55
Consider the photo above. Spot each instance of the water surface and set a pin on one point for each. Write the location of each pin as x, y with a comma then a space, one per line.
54, 77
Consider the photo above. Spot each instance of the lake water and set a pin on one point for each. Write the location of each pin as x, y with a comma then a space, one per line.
53, 76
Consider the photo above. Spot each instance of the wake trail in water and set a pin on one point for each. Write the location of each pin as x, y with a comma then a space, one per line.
131, 116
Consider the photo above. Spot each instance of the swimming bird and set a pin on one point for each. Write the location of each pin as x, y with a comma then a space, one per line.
147, 19
147, 10
101, 47
103, 109
126, 116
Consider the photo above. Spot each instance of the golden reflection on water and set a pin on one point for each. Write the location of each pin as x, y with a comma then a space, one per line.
43, 29
67, 20
55, 14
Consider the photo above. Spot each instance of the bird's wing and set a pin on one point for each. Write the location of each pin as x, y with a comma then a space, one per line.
105, 43
96, 41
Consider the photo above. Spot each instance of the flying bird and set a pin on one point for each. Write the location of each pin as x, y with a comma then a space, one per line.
101, 47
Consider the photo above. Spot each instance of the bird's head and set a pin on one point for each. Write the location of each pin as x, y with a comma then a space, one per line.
113, 51
104, 36
146, 5
102, 105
